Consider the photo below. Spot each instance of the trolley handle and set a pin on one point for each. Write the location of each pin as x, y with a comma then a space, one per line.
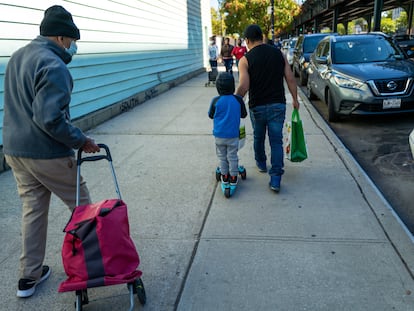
108, 156
95, 158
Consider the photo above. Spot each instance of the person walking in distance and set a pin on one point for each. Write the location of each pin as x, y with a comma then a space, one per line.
226, 55
213, 52
262, 72
38, 137
239, 51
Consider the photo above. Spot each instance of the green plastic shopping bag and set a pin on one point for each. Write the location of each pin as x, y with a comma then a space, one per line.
295, 144
242, 134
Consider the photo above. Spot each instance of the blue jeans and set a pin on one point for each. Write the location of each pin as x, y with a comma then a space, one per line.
213, 63
269, 118
228, 63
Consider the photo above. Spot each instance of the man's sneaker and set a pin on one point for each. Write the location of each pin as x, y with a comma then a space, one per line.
225, 178
27, 287
261, 166
233, 180
275, 183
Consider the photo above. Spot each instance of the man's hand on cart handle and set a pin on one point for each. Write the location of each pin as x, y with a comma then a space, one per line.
90, 146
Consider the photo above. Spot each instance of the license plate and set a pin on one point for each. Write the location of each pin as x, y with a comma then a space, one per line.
391, 103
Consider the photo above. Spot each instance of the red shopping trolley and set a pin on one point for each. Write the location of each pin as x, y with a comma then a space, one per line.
97, 249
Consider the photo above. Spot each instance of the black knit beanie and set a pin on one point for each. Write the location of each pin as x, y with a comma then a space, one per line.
58, 22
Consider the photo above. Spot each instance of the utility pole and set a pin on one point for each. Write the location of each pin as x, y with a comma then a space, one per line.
219, 2
272, 19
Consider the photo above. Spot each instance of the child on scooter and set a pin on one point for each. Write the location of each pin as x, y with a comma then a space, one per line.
226, 111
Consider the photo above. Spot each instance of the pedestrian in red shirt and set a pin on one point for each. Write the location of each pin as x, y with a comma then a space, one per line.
239, 51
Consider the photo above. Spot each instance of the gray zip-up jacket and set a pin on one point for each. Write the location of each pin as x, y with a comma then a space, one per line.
37, 93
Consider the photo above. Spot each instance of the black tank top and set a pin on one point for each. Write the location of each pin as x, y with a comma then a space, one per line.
266, 72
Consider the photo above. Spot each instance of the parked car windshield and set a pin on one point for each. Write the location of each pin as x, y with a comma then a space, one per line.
310, 43
363, 50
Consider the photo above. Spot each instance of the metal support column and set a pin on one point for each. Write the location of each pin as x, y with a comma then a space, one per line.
410, 17
378, 6
369, 22
335, 19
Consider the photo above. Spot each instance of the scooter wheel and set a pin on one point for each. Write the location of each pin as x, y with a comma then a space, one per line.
243, 174
218, 174
227, 192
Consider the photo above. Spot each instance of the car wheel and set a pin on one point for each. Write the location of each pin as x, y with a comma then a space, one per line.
309, 92
332, 115
303, 79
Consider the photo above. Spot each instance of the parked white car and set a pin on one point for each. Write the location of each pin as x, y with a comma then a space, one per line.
288, 47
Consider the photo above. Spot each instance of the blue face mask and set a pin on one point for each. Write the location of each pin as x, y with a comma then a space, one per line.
72, 49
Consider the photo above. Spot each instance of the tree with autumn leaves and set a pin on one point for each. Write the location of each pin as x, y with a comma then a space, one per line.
236, 15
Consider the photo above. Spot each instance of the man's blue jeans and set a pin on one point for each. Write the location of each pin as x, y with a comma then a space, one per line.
228, 63
269, 118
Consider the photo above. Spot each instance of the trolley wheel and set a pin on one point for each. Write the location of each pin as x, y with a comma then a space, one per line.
140, 291
78, 303
81, 299
227, 192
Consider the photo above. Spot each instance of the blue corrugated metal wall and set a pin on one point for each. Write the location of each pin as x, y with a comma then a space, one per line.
126, 46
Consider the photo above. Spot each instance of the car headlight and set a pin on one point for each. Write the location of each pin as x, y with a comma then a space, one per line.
347, 82
303, 62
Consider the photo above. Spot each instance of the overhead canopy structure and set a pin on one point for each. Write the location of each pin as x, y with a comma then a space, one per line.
317, 14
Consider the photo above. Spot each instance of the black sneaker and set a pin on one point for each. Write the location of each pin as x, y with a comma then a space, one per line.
225, 178
27, 287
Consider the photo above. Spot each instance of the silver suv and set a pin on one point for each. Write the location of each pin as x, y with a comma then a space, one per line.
361, 74
303, 49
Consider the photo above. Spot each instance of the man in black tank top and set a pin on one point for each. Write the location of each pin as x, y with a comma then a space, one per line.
262, 72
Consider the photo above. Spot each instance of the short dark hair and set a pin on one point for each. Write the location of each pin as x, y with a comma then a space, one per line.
225, 83
253, 33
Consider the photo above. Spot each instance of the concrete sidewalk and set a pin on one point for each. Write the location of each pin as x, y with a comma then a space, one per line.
328, 241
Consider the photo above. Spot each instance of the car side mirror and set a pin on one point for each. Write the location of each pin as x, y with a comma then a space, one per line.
322, 60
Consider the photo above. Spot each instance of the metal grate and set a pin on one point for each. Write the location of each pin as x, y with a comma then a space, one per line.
383, 85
